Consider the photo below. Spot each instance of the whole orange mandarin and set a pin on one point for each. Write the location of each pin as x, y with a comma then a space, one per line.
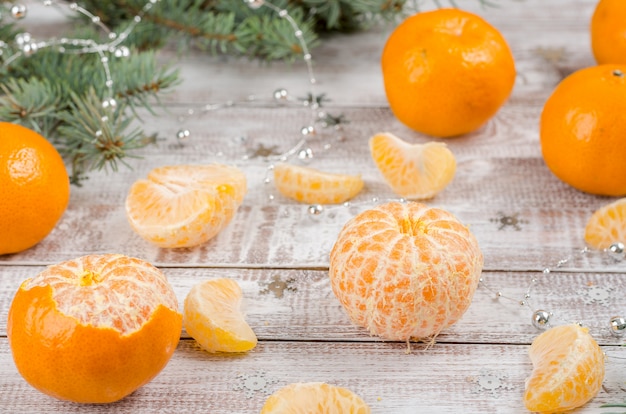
93, 329
582, 130
35, 188
446, 72
608, 32
405, 270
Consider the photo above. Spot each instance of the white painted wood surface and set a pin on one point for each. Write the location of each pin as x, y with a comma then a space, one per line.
524, 218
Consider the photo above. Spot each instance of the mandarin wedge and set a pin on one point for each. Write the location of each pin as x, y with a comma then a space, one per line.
414, 171
309, 185
314, 398
568, 370
185, 205
94, 329
607, 225
405, 271
212, 316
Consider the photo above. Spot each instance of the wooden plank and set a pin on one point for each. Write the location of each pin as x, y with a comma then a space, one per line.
299, 305
442, 379
523, 216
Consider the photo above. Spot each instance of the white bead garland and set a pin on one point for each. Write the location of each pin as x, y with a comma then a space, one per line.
541, 319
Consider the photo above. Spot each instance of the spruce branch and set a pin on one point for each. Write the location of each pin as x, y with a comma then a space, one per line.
96, 137
30, 103
61, 95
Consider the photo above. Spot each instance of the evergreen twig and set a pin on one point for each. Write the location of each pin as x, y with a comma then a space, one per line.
60, 95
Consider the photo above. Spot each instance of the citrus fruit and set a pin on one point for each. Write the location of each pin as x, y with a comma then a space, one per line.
314, 398
93, 329
405, 270
608, 32
212, 316
414, 171
607, 225
35, 188
446, 72
581, 130
185, 205
568, 370
309, 185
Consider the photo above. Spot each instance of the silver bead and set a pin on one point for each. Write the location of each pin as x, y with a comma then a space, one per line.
183, 134
541, 319
18, 11
308, 130
305, 154
122, 52
30, 48
254, 4
109, 103
281, 94
23, 38
315, 209
616, 250
618, 326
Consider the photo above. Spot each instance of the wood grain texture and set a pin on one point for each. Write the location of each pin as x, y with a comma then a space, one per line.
440, 379
522, 215
299, 305
524, 218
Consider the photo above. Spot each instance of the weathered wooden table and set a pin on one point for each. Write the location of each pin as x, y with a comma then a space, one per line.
524, 218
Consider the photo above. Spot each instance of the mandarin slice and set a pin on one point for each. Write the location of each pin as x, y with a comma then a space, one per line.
314, 398
568, 370
94, 329
405, 270
185, 205
212, 316
413, 171
607, 225
309, 185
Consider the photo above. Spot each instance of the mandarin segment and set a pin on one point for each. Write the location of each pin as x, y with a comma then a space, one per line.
405, 270
185, 205
413, 171
309, 185
607, 225
213, 317
568, 370
314, 398
93, 329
